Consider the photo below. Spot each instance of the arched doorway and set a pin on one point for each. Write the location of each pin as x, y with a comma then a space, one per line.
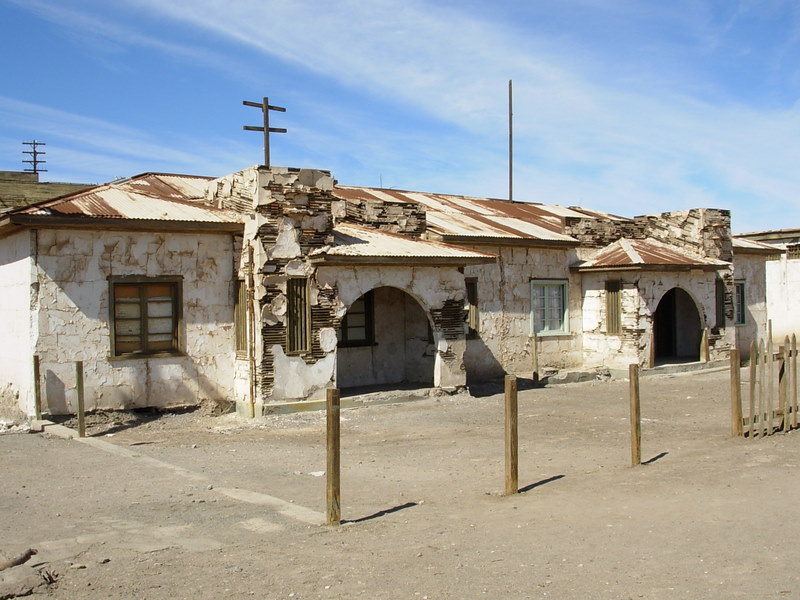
385, 339
676, 328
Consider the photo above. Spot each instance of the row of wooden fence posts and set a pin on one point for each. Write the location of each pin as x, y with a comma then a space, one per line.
37, 393
762, 389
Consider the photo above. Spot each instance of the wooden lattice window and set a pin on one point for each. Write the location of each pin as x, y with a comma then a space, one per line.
613, 307
145, 316
740, 305
240, 318
298, 330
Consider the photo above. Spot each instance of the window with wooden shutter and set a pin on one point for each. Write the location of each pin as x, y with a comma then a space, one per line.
240, 318
298, 331
357, 324
613, 307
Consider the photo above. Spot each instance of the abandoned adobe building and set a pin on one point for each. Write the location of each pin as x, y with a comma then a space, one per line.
272, 285
783, 279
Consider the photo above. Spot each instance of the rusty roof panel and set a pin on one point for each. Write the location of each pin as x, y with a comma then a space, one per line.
645, 253
356, 241
151, 196
466, 216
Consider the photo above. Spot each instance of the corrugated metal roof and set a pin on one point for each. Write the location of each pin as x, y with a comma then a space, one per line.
645, 253
452, 216
354, 241
151, 197
743, 245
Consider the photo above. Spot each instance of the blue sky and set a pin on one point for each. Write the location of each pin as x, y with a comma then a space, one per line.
625, 106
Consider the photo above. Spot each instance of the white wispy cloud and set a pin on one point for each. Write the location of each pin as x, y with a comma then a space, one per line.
589, 128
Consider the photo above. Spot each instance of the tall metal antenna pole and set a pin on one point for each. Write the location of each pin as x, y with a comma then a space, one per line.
510, 143
34, 153
265, 107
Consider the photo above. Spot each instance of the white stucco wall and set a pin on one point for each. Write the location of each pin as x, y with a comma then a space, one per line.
751, 269
641, 293
783, 289
401, 352
73, 315
16, 335
504, 307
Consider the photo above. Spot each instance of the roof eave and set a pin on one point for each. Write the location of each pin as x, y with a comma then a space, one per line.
613, 268
503, 241
62, 222
402, 261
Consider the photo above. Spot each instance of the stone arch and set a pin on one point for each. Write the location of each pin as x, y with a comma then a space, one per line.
677, 327
386, 339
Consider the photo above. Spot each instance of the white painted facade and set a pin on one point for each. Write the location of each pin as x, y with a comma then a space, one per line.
61, 275
783, 290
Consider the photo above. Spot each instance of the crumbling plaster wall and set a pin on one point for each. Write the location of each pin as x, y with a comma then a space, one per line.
290, 215
702, 231
601, 349
641, 293
73, 318
439, 291
16, 327
504, 307
751, 270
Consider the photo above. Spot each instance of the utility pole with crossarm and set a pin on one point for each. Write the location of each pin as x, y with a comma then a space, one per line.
265, 107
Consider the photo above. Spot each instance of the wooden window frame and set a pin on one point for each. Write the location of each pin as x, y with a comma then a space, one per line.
544, 284
298, 316
345, 340
175, 283
613, 307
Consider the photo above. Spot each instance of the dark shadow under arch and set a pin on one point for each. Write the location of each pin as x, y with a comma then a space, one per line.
676, 328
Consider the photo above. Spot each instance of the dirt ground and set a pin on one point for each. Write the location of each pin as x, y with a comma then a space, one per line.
192, 506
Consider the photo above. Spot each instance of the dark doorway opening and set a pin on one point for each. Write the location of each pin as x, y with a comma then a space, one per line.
677, 328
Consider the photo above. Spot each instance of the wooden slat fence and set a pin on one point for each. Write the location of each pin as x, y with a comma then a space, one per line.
772, 399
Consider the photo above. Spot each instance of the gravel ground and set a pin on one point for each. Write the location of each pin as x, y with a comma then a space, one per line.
189, 505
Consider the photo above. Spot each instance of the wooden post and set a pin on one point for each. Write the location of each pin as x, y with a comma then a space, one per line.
736, 395
651, 359
636, 417
761, 388
334, 496
535, 352
794, 380
37, 394
783, 381
79, 385
768, 429
704, 351
512, 437
753, 377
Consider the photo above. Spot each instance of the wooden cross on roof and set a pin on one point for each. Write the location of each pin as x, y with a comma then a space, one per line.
265, 107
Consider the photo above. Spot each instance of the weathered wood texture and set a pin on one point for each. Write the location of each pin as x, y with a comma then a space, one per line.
773, 404
636, 417
334, 495
511, 436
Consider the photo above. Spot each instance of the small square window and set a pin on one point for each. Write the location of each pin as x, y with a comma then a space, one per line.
145, 315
